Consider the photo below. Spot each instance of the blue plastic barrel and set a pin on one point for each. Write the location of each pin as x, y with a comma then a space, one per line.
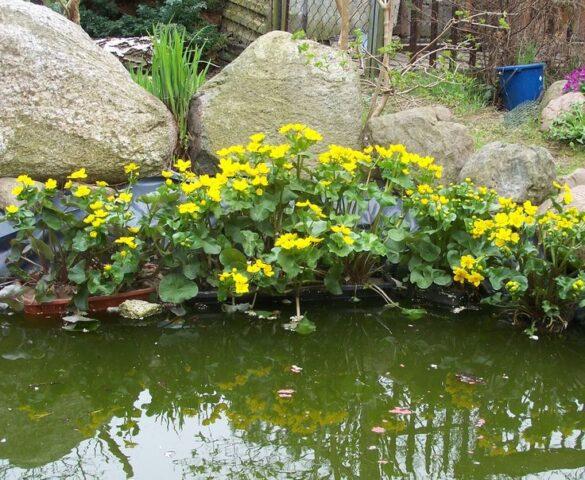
521, 83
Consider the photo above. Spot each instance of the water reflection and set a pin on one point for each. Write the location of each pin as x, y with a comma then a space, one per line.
202, 402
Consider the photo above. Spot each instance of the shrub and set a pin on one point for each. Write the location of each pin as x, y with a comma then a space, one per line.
103, 18
569, 127
576, 81
175, 74
276, 218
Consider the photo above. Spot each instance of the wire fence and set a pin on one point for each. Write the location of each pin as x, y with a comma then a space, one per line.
320, 19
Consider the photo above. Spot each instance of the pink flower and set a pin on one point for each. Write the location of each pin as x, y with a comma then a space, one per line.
378, 430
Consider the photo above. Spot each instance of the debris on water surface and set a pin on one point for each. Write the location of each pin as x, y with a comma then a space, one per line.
469, 379
286, 393
296, 369
139, 309
533, 337
378, 430
80, 323
480, 422
372, 447
434, 366
401, 411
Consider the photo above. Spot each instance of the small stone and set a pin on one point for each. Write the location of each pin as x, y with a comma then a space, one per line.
138, 309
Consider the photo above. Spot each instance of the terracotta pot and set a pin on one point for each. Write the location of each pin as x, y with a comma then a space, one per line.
96, 304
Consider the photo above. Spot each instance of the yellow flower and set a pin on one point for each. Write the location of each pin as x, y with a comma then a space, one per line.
107, 267
291, 241
459, 275
257, 138
124, 197
475, 278
349, 240
101, 183
134, 230
68, 184
131, 168
190, 187
167, 174
259, 192
16, 191
128, 241
25, 180
316, 209
78, 174
11, 209
467, 262
93, 234
183, 165
82, 191
241, 185
188, 208
341, 229
98, 204
258, 266
51, 184
578, 285
512, 286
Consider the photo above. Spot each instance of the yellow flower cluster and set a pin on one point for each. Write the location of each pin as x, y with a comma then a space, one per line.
345, 232
240, 281
502, 230
291, 241
260, 266
578, 285
468, 271
188, 208
407, 159
565, 190
131, 168
347, 158
299, 131
130, 242
316, 209
561, 222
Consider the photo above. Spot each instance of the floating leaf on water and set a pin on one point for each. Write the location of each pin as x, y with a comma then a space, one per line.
469, 379
378, 430
79, 323
401, 411
239, 307
305, 327
414, 313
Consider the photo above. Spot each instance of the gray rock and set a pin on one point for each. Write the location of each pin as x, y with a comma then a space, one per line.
553, 92
574, 179
273, 83
137, 309
516, 171
426, 131
6, 196
558, 106
66, 103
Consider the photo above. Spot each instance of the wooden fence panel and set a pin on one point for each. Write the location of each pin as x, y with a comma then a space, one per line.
246, 20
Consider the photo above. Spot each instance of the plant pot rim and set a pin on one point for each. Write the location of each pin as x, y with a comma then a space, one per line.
97, 303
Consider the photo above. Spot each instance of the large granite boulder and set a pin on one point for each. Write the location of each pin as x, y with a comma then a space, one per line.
516, 171
558, 106
553, 92
426, 131
275, 81
66, 103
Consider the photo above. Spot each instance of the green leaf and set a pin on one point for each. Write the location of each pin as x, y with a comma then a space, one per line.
77, 273
305, 327
332, 279
250, 242
42, 249
176, 288
428, 251
80, 242
80, 299
396, 234
211, 248
233, 258
192, 270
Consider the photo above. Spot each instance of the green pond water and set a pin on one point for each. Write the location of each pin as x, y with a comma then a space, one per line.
199, 399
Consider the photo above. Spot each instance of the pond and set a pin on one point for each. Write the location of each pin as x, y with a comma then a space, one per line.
463, 396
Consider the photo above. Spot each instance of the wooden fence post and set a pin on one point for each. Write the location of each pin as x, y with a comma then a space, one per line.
434, 29
414, 27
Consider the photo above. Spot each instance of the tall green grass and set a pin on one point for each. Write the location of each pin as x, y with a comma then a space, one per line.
176, 73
